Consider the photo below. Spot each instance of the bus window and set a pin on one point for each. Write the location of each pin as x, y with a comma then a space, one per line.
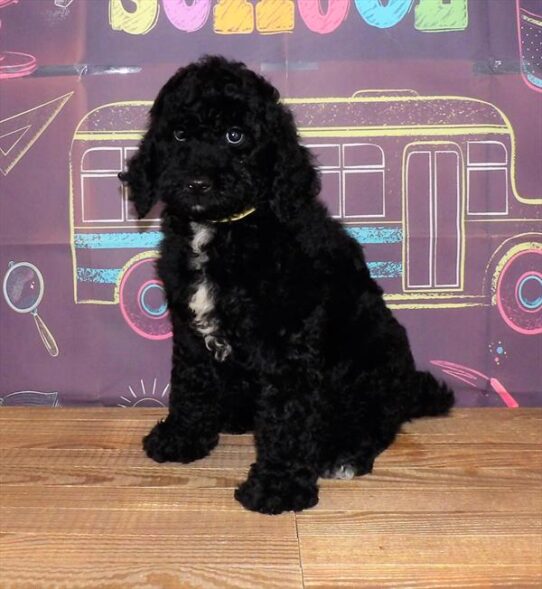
101, 193
363, 180
329, 163
102, 159
131, 214
487, 181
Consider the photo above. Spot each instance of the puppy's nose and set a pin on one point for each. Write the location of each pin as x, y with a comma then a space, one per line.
200, 184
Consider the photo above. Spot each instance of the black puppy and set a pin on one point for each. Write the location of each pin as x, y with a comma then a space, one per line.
278, 326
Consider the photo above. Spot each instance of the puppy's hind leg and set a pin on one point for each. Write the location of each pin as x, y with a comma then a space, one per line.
367, 421
354, 465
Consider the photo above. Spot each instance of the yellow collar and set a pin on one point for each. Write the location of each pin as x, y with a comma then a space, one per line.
236, 217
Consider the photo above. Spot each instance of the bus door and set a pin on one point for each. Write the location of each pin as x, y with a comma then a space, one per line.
433, 205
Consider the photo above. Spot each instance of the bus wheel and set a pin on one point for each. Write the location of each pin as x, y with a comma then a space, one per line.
519, 291
142, 300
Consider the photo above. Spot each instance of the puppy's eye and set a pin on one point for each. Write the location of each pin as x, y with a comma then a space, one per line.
179, 135
235, 136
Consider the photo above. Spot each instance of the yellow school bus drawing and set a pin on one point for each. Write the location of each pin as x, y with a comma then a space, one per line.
426, 183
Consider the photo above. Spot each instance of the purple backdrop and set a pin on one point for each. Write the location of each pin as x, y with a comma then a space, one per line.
426, 117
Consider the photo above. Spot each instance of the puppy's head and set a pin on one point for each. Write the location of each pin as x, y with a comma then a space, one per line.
219, 143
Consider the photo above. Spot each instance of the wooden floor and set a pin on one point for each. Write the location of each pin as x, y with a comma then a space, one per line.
456, 502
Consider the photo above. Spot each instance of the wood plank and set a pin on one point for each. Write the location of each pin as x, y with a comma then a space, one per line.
336, 508
183, 477
85, 413
458, 500
400, 549
490, 416
413, 576
232, 457
57, 550
131, 467
404, 477
423, 524
406, 451
137, 498
177, 521
483, 424
147, 522
193, 477
145, 575
104, 434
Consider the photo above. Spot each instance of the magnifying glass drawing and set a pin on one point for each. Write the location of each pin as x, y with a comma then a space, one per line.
23, 289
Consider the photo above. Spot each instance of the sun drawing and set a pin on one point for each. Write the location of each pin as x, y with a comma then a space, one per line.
143, 398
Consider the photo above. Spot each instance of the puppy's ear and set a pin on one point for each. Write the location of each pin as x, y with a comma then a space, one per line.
295, 179
144, 167
140, 176
142, 171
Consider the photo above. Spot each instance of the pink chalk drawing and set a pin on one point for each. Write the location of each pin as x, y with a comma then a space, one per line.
530, 45
186, 16
15, 64
477, 380
519, 292
142, 301
320, 21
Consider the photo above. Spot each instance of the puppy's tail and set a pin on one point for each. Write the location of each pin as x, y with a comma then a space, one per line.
428, 396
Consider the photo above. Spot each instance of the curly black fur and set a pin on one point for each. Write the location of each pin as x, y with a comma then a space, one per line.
296, 342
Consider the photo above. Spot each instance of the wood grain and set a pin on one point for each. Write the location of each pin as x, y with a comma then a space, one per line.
456, 502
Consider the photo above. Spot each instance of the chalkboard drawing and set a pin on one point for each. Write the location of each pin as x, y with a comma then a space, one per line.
477, 380
275, 16
233, 17
419, 180
23, 287
439, 16
139, 19
422, 181
15, 64
145, 396
19, 132
530, 42
30, 398
113, 252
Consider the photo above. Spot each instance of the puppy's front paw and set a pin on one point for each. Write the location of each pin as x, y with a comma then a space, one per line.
273, 492
166, 443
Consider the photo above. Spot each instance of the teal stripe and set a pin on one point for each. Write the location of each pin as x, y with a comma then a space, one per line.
152, 239
385, 269
101, 275
376, 234
535, 80
110, 275
145, 239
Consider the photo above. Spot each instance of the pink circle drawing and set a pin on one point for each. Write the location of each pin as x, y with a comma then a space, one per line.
142, 301
14, 64
519, 292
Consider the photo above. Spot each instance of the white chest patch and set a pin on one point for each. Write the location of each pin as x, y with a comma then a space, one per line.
202, 301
